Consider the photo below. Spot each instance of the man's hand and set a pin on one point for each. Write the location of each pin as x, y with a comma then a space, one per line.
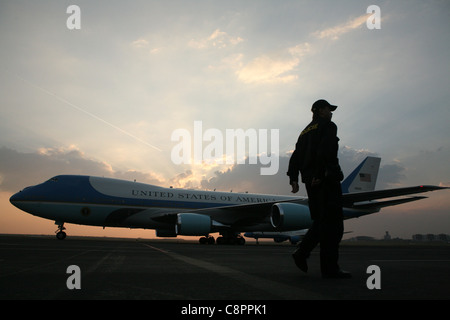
295, 187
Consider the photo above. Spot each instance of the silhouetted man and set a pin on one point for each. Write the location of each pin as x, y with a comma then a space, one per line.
315, 157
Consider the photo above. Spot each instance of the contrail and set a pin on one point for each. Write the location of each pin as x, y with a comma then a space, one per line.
86, 112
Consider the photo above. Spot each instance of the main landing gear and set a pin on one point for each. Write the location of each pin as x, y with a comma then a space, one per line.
238, 239
225, 238
60, 234
207, 240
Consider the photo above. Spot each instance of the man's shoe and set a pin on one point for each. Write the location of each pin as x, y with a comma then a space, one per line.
340, 274
300, 262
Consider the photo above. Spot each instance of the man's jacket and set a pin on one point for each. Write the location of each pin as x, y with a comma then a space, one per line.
315, 154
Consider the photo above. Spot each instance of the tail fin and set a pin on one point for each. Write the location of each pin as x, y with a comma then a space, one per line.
363, 178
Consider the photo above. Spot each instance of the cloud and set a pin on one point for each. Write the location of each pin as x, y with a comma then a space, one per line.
275, 68
279, 67
18, 170
266, 68
184, 180
349, 155
391, 175
140, 43
143, 45
218, 39
246, 177
335, 32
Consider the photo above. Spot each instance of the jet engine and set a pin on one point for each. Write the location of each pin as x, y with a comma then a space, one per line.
193, 224
287, 216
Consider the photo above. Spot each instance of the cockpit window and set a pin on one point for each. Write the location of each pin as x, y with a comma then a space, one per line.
54, 179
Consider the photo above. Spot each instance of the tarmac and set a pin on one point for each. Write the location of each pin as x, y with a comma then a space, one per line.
39, 268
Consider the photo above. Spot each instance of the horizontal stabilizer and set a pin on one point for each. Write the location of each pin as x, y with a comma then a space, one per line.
382, 204
350, 198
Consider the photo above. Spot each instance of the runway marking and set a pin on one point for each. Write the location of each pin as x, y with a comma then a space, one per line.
279, 289
98, 263
155, 248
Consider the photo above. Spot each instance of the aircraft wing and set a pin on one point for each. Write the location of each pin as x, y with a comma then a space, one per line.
236, 215
252, 214
359, 201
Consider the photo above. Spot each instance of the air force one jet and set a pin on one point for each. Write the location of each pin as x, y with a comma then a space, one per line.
106, 202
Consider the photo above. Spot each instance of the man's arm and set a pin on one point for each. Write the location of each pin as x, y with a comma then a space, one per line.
294, 167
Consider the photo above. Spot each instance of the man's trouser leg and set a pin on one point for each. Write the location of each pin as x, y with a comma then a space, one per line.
312, 237
309, 241
331, 228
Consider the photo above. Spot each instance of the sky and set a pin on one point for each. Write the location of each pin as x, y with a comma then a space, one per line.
105, 99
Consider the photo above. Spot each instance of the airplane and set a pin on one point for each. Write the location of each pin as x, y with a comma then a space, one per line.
363, 178
107, 202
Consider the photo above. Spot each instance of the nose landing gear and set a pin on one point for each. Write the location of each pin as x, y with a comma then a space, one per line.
60, 234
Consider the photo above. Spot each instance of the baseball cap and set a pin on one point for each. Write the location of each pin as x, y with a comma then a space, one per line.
322, 104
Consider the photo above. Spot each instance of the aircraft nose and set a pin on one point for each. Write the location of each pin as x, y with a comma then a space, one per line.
19, 196
15, 197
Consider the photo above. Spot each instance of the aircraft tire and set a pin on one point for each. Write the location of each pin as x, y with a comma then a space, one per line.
61, 235
231, 241
207, 240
